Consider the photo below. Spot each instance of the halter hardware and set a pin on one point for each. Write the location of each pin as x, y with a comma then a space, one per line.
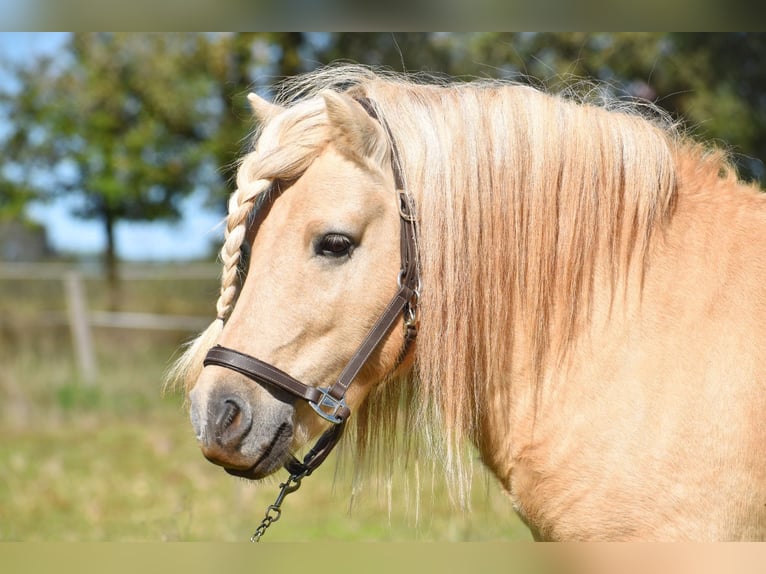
334, 405
329, 402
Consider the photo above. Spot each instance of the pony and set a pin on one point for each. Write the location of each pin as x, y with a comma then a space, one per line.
591, 308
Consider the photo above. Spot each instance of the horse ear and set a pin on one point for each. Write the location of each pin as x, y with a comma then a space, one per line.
263, 109
356, 133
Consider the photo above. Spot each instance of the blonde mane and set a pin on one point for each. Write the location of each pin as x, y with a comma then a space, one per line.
522, 198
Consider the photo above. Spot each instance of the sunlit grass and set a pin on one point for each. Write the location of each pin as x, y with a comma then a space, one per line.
117, 461
101, 480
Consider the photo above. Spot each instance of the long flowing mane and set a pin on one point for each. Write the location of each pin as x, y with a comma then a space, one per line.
524, 201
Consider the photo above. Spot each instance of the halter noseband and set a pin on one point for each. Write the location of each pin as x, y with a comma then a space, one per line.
329, 403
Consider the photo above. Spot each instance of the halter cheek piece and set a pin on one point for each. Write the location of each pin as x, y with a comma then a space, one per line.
329, 403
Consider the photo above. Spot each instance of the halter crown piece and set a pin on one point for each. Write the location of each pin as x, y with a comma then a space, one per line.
329, 403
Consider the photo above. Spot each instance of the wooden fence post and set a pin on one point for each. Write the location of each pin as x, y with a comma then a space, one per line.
78, 323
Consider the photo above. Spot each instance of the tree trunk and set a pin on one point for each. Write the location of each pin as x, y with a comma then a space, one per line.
110, 263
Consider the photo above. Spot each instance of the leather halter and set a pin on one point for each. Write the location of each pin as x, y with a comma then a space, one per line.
329, 403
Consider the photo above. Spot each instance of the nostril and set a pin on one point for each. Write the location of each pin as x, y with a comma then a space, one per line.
228, 414
232, 422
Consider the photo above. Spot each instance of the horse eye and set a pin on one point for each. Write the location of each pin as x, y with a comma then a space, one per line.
334, 245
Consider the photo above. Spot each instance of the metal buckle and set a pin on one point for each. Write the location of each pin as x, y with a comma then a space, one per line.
410, 309
400, 282
328, 402
406, 210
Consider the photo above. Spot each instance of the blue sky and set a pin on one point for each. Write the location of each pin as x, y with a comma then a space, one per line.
191, 238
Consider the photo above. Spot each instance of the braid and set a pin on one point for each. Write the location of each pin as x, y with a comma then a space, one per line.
272, 160
241, 203
240, 207
250, 185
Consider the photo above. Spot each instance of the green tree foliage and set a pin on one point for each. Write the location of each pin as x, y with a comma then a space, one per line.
727, 92
117, 121
238, 63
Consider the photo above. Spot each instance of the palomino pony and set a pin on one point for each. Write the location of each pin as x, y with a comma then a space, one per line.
587, 287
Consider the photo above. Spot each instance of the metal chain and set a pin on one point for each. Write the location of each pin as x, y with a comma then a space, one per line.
274, 511
267, 521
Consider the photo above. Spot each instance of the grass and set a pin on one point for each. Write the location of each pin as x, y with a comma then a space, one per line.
117, 461
145, 481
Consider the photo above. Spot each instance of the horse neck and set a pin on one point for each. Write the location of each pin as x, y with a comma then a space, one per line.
626, 351
516, 234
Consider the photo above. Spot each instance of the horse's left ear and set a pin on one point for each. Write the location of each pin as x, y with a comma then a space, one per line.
263, 109
356, 133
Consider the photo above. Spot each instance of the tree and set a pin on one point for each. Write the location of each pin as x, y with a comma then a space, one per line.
402, 51
726, 95
116, 120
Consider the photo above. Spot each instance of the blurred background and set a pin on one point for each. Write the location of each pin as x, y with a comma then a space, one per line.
117, 153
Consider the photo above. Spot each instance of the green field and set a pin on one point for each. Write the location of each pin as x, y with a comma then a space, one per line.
117, 460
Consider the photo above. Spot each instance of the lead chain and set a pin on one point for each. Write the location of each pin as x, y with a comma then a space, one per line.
274, 511
267, 521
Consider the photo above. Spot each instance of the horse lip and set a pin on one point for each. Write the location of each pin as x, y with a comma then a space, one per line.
254, 472
248, 473
269, 461
251, 472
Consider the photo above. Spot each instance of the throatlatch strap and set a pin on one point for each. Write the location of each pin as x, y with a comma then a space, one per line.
370, 343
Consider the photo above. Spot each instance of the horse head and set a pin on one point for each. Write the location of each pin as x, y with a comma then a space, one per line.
323, 257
